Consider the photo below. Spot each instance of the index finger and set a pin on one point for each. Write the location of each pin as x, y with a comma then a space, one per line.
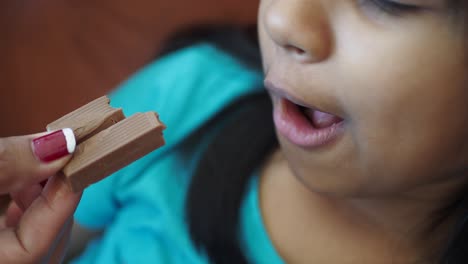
25, 160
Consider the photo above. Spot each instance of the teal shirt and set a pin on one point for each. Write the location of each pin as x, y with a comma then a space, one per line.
141, 207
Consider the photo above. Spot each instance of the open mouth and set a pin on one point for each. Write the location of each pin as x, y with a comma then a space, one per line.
306, 127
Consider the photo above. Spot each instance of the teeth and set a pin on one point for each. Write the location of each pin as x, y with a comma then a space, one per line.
321, 119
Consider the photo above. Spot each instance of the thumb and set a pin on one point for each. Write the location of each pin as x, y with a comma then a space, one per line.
25, 160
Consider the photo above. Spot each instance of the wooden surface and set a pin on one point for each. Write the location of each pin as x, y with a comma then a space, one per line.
57, 55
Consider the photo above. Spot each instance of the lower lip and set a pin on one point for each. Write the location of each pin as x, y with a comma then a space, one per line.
293, 124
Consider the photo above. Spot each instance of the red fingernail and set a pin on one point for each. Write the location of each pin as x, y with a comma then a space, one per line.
54, 145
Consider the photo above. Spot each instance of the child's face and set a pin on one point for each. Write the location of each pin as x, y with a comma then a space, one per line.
393, 80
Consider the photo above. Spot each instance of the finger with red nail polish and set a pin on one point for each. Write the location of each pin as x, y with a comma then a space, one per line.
27, 160
55, 145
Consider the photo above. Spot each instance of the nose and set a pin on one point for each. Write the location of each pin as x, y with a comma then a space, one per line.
299, 27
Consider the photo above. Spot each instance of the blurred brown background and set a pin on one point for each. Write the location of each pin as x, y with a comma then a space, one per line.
57, 55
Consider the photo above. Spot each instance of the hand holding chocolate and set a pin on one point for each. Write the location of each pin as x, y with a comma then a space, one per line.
107, 141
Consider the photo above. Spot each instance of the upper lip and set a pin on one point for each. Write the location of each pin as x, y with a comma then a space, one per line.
279, 91
275, 89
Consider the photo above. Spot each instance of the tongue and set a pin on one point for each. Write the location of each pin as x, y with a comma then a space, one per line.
321, 119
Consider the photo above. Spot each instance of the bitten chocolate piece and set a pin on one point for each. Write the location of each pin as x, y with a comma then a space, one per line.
114, 148
89, 119
106, 140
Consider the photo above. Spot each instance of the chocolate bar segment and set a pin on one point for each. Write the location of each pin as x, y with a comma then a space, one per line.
89, 119
113, 148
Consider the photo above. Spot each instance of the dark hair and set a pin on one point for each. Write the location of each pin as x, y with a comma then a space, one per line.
239, 147
456, 251
457, 248
218, 185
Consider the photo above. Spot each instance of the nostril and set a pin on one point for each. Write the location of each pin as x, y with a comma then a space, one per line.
294, 49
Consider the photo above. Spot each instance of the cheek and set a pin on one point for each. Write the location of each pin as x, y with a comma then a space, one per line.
408, 108
410, 112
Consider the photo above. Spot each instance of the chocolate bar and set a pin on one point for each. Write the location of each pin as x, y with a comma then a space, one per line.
89, 119
107, 141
